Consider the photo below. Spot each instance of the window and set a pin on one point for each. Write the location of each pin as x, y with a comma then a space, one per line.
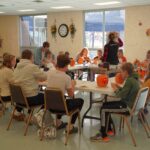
33, 30
97, 26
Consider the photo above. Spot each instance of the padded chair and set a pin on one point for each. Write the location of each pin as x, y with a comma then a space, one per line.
137, 109
4, 103
55, 101
19, 100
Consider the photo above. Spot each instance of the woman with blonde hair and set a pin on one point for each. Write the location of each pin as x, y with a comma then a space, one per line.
6, 77
83, 56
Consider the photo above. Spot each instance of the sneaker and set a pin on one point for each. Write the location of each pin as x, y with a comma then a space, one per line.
20, 117
62, 125
98, 138
110, 133
73, 130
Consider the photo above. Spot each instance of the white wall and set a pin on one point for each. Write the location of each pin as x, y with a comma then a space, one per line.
136, 41
66, 44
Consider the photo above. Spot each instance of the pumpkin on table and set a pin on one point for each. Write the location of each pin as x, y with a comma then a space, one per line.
72, 62
102, 80
118, 78
80, 60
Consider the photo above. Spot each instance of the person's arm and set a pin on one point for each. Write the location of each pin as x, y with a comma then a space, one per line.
10, 76
70, 87
120, 43
38, 74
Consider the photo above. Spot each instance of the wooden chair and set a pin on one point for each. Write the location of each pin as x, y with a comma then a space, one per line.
137, 109
55, 100
19, 100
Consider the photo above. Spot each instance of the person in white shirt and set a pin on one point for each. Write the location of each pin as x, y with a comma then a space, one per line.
28, 75
6, 77
59, 79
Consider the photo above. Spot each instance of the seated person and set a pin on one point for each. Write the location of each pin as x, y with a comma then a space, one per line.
83, 56
147, 84
121, 57
127, 94
28, 75
97, 59
6, 77
47, 62
59, 79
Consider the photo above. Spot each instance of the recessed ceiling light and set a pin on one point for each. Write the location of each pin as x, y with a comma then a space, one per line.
26, 10
62, 7
1, 12
107, 3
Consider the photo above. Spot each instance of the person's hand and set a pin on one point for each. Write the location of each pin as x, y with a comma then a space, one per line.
73, 82
114, 86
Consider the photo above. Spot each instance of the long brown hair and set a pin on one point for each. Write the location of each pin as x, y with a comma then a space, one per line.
81, 53
7, 60
148, 73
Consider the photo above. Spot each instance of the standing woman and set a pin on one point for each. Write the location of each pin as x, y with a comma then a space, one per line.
111, 49
6, 77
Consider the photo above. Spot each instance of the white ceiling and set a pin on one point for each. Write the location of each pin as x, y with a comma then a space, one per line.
10, 7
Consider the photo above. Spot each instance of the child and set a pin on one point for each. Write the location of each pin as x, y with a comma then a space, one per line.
127, 94
121, 57
147, 84
83, 56
97, 59
47, 61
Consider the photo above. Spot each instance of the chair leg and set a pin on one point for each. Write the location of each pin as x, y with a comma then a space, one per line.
143, 123
11, 119
130, 131
68, 129
28, 121
146, 121
79, 123
42, 127
107, 122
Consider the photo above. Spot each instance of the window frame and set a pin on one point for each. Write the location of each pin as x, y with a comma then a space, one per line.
104, 22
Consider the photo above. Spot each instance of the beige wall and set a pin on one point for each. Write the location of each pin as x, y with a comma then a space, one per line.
136, 41
66, 44
9, 32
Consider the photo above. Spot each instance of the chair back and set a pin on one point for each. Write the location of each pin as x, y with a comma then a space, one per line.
55, 100
17, 96
140, 100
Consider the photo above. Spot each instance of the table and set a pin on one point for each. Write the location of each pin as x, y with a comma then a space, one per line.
93, 69
91, 87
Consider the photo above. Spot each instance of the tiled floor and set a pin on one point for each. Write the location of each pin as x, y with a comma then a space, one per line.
14, 139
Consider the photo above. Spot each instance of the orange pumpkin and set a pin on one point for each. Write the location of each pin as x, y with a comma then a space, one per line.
80, 60
141, 73
118, 78
72, 62
102, 80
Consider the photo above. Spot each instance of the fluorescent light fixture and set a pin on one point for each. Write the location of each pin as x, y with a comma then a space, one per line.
107, 3
62, 7
26, 10
1, 12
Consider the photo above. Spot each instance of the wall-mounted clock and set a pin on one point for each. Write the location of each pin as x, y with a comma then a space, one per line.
63, 30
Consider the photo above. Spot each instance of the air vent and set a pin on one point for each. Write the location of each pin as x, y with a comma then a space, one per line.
2, 5
38, 1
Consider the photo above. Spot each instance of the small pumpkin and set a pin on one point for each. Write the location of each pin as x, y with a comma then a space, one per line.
72, 62
141, 73
80, 60
102, 80
118, 78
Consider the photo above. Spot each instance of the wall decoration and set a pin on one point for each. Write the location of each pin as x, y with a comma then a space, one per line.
54, 30
72, 29
148, 32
